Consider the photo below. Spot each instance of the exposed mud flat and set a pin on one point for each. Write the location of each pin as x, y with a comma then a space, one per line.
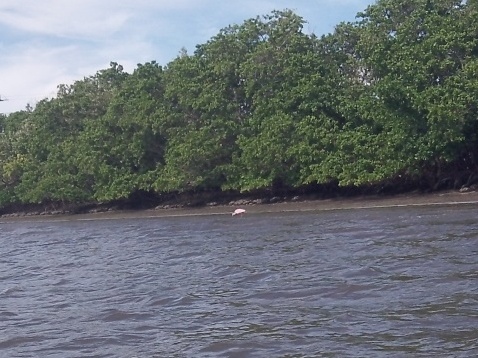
254, 206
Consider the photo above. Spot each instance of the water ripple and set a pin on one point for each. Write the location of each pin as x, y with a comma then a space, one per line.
395, 282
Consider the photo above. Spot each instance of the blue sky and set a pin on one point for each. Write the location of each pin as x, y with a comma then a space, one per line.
51, 42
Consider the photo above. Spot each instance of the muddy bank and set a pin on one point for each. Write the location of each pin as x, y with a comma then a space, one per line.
256, 206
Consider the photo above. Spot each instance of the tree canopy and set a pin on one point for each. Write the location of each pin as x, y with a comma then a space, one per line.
387, 100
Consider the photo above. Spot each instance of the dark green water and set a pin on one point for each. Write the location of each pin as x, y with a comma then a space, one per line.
398, 282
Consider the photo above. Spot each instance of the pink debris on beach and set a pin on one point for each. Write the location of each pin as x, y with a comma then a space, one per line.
238, 212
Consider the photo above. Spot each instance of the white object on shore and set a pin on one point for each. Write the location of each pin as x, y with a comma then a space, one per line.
238, 212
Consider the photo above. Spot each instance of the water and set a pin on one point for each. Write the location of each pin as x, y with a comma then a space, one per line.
392, 282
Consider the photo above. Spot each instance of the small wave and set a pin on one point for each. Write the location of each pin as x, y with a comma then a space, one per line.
118, 315
17, 341
6, 314
11, 291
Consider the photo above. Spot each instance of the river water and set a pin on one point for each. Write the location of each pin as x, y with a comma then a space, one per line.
394, 282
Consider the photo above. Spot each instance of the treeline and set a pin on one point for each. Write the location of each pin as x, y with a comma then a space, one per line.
389, 100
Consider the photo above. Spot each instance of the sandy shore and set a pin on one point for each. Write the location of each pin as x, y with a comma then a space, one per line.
413, 199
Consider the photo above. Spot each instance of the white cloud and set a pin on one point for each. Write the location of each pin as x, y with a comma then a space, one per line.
75, 19
31, 74
84, 18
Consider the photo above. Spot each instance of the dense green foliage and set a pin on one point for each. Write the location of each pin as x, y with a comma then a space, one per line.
387, 100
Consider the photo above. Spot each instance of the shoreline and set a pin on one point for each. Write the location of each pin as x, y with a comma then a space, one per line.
446, 198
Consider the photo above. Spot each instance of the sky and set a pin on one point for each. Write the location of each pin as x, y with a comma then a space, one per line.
47, 43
